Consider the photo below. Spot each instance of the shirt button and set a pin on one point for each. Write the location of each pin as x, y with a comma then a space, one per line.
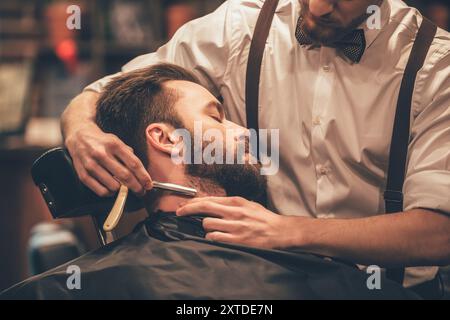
323, 170
316, 121
326, 68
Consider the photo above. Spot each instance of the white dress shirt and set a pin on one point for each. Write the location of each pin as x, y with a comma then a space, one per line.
335, 117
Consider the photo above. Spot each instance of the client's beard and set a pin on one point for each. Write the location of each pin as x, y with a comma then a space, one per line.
243, 180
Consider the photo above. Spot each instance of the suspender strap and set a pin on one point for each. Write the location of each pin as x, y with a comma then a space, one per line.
257, 47
393, 195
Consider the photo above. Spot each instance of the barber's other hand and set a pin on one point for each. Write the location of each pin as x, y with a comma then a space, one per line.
98, 157
237, 220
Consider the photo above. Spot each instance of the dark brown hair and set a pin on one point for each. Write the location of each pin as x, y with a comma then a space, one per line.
133, 100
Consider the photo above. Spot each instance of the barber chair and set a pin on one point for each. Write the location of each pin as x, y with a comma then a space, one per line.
52, 244
67, 197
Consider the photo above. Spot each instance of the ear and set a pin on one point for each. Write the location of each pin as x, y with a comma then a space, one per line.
158, 135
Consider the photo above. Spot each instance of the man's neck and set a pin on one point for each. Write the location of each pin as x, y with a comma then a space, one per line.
169, 201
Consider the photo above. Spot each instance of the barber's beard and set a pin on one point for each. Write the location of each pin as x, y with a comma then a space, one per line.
243, 180
326, 32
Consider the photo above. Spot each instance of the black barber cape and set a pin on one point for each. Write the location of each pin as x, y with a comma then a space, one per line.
167, 257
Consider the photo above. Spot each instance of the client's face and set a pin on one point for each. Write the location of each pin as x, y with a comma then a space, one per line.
202, 113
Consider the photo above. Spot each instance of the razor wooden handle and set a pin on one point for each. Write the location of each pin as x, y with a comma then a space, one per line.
117, 210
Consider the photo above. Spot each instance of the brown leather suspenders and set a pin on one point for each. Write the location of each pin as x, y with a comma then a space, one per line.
393, 195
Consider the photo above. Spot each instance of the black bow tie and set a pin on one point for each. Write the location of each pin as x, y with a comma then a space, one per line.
352, 45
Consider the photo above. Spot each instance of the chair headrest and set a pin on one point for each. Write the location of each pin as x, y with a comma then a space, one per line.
65, 194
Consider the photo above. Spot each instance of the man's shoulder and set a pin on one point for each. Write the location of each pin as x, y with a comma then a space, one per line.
441, 42
408, 21
245, 13
256, 5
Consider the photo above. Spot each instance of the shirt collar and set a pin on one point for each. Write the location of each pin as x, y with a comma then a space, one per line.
372, 34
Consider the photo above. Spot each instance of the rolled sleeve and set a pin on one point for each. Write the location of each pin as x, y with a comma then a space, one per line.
428, 189
427, 182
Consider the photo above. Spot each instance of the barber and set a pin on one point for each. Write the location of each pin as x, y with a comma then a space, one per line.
335, 108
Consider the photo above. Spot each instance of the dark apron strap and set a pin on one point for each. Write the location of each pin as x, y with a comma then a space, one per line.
393, 195
255, 56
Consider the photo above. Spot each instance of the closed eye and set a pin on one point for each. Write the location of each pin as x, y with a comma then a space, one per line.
215, 110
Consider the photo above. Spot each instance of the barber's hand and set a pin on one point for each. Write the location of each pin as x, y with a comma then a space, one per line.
100, 158
237, 220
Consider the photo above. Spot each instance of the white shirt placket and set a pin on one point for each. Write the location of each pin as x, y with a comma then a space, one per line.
320, 118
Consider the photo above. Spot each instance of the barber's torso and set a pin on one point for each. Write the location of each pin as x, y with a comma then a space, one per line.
335, 118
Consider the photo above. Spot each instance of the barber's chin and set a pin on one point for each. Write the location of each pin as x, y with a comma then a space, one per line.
247, 158
320, 33
323, 36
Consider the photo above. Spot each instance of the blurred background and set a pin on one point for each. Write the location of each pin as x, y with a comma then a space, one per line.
43, 65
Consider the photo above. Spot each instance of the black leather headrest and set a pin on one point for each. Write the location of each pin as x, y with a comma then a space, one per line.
65, 195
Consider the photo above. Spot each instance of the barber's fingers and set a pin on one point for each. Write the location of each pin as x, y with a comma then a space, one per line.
207, 207
216, 224
125, 176
90, 182
101, 175
227, 201
134, 164
221, 237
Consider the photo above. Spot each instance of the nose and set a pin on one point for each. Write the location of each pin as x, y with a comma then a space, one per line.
320, 8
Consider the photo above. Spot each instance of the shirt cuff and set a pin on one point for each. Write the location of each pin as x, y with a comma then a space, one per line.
428, 190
